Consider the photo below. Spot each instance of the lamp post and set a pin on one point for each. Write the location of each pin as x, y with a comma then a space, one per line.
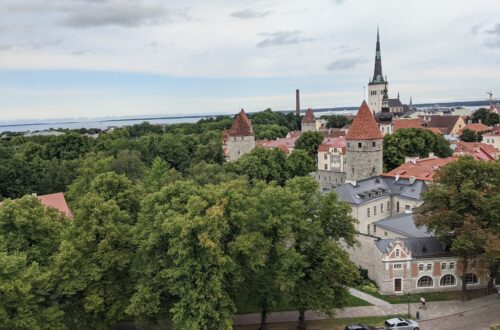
408, 295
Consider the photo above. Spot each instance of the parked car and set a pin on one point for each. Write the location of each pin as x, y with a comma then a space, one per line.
358, 326
400, 323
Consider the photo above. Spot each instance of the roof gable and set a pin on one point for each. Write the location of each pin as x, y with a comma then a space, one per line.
364, 126
309, 117
242, 126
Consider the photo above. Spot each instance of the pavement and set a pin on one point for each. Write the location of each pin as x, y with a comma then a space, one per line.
435, 310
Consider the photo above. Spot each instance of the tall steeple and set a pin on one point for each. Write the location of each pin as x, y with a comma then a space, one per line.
378, 77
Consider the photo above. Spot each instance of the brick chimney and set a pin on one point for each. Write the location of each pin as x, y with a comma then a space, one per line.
297, 102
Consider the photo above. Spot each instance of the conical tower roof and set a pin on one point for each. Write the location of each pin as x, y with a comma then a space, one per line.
364, 126
309, 117
242, 126
378, 77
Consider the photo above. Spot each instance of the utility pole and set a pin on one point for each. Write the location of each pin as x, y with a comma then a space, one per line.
491, 98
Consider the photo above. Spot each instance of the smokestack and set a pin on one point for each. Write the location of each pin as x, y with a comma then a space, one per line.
297, 102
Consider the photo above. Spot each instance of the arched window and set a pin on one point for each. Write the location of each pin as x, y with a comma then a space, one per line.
398, 253
425, 282
471, 278
447, 280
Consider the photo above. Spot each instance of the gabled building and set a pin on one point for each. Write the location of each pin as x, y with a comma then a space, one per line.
478, 150
308, 122
447, 124
419, 168
492, 138
241, 137
55, 201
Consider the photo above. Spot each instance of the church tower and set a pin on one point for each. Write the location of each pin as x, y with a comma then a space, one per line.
364, 146
384, 117
378, 84
241, 138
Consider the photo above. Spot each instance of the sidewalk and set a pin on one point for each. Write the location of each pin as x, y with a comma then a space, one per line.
434, 310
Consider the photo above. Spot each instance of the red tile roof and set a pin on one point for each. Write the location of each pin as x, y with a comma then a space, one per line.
476, 127
421, 169
478, 150
443, 122
242, 126
309, 117
56, 201
406, 123
364, 126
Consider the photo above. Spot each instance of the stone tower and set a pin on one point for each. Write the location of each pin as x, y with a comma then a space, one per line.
241, 138
378, 84
308, 123
364, 146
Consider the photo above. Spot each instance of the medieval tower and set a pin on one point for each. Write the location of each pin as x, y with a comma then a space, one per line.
378, 84
364, 146
308, 123
241, 138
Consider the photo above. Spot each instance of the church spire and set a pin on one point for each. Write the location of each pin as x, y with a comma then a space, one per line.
377, 72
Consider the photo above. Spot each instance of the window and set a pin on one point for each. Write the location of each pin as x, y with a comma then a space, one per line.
421, 267
348, 144
447, 280
397, 207
425, 282
353, 170
374, 228
443, 265
373, 169
368, 228
368, 212
373, 144
326, 166
325, 156
381, 207
382, 129
429, 266
471, 278
359, 144
452, 265
398, 253
407, 208
375, 210
388, 206
398, 266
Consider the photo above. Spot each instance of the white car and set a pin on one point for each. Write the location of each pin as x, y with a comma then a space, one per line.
400, 324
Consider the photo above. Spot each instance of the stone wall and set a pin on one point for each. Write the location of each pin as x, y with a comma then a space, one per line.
328, 179
366, 255
240, 145
363, 159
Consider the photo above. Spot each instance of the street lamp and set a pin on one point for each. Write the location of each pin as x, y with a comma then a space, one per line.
408, 295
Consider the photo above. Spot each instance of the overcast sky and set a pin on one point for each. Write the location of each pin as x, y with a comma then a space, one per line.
88, 58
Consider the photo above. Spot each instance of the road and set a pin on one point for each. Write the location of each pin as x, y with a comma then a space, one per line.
477, 319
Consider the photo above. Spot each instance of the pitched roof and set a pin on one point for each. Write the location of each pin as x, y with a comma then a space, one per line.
56, 201
403, 224
393, 103
478, 150
420, 247
375, 187
337, 142
309, 117
242, 126
443, 122
421, 169
476, 127
364, 126
406, 123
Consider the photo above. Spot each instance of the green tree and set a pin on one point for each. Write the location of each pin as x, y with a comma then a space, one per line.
309, 142
299, 163
28, 227
412, 142
129, 164
24, 299
336, 121
92, 267
462, 209
485, 116
158, 175
470, 136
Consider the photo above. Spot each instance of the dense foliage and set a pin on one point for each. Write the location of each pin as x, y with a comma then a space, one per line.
471, 136
412, 142
164, 231
336, 121
486, 117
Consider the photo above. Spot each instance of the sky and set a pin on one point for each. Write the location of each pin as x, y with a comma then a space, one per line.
98, 58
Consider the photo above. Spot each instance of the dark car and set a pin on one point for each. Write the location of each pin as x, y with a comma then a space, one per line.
359, 326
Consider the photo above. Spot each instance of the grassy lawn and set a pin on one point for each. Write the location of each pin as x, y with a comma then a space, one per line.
249, 305
429, 296
330, 324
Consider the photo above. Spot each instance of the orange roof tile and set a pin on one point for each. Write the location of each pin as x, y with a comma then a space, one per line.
478, 150
242, 126
309, 117
421, 169
56, 201
476, 127
406, 123
364, 126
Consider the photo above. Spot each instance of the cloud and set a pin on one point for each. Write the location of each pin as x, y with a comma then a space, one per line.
5, 47
249, 13
495, 30
127, 15
492, 43
476, 28
345, 63
282, 38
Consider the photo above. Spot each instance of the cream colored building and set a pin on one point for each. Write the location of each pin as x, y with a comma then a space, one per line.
492, 138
